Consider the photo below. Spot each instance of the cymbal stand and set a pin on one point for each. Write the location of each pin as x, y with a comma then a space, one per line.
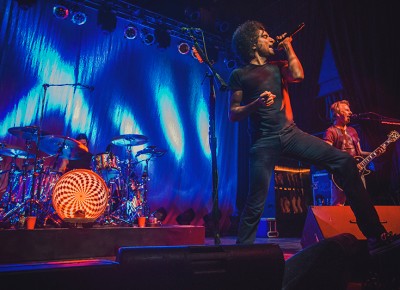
131, 203
108, 217
18, 199
124, 211
145, 179
9, 198
47, 212
127, 201
35, 191
23, 202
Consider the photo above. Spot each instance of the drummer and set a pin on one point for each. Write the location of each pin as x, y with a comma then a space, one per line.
82, 163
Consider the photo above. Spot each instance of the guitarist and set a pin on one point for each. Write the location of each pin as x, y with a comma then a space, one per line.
344, 138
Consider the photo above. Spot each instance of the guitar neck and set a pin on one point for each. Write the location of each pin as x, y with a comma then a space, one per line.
374, 154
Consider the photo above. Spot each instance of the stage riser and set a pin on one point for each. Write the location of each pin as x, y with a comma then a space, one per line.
98, 274
80, 243
253, 267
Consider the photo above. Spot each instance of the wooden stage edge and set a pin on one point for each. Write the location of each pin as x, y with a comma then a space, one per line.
82, 243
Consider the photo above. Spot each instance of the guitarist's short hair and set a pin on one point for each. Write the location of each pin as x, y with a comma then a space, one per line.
335, 108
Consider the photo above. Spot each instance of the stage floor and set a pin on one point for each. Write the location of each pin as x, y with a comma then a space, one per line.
91, 254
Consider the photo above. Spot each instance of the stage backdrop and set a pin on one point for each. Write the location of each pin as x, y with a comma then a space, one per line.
128, 88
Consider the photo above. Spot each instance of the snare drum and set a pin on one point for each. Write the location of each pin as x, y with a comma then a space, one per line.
106, 164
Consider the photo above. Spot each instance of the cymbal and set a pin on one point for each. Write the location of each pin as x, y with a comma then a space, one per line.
27, 132
152, 150
68, 148
15, 152
129, 140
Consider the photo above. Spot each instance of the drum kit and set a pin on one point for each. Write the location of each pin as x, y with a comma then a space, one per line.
111, 193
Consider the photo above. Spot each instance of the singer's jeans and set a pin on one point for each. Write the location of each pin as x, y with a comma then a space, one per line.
292, 142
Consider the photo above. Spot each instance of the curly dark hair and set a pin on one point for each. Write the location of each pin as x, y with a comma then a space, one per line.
244, 38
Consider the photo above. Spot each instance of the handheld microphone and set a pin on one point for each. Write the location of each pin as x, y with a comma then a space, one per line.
290, 34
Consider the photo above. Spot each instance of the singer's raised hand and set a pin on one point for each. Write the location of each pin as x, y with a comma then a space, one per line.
281, 40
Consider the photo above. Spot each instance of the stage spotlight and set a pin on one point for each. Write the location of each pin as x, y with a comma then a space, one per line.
130, 32
183, 48
78, 17
162, 37
192, 14
26, 4
186, 217
147, 37
230, 63
222, 26
60, 11
106, 19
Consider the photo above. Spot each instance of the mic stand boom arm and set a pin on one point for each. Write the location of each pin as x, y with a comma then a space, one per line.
223, 86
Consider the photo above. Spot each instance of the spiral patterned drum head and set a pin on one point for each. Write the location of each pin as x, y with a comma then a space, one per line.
80, 195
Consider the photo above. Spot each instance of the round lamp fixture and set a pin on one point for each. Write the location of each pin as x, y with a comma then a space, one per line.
130, 32
60, 11
78, 18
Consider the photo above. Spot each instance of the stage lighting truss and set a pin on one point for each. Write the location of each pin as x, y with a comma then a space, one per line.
147, 23
26, 4
130, 31
106, 18
162, 37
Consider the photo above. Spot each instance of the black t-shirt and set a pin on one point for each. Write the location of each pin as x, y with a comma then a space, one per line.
254, 80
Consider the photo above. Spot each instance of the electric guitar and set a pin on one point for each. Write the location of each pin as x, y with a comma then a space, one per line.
362, 163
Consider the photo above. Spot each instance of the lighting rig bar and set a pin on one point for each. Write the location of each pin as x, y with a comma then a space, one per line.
150, 20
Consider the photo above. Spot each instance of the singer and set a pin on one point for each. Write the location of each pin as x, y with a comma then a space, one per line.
258, 90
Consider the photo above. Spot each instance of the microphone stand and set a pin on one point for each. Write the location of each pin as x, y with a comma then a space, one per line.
212, 136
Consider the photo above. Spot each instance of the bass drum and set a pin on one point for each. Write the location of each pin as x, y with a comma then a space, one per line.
80, 196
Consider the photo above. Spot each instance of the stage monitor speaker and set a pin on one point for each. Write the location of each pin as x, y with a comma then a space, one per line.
327, 221
326, 265
258, 266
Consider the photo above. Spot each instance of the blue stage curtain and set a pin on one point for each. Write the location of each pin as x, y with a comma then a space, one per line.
128, 88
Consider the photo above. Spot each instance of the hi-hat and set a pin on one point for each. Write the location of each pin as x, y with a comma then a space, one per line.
129, 140
152, 150
66, 147
27, 132
14, 152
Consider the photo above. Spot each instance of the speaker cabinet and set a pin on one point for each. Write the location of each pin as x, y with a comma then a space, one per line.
326, 265
258, 266
327, 221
